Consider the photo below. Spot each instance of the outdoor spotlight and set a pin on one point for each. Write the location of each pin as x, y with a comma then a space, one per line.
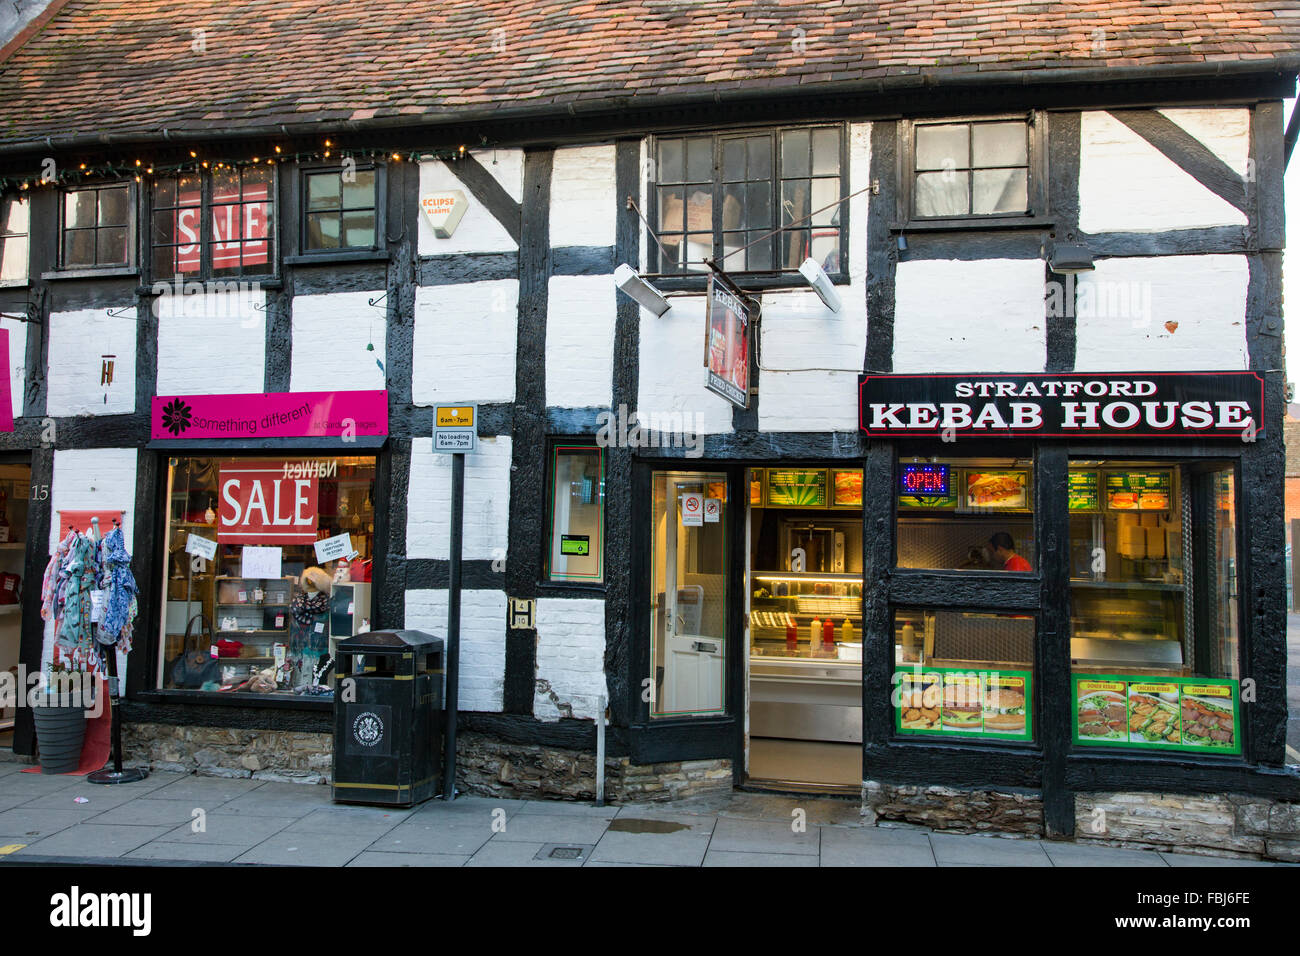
643, 292
811, 271
1068, 260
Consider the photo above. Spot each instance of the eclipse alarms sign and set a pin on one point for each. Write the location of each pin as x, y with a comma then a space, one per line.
444, 210
1066, 405
267, 502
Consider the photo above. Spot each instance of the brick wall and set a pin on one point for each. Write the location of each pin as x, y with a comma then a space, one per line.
570, 658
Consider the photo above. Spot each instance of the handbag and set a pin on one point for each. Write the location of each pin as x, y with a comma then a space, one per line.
191, 669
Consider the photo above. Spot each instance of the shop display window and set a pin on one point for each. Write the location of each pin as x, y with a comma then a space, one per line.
340, 209
964, 672
970, 514
576, 512
216, 223
269, 564
96, 227
1154, 622
15, 212
689, 612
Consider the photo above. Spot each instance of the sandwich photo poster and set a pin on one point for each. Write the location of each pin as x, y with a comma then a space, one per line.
950, 700
997, 490
1199, 714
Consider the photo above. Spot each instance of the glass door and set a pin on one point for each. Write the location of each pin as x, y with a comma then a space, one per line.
689, 565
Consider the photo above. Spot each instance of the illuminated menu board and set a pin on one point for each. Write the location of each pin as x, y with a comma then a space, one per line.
846, 486
756, 487
796, 488
1139, 490
1084, 491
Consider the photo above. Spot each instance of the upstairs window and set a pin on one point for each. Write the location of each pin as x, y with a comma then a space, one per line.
96, 227
14, 213
974, 169
340, 209
214, 224
721, 195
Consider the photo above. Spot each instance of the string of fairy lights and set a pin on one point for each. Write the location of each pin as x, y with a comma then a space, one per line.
62, 175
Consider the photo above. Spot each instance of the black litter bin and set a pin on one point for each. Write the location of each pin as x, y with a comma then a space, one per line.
388, 715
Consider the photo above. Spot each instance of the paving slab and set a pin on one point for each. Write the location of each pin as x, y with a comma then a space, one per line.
33, 823
349, 821
98, 799
305, 849
1083, 854
757, 836
92, 840
143, 812
564, 808
376, 858
285, 798
551, 828
1197, 859
483, 806
678, 840
233, 828
875, 846
215, 790
730, 858
444, 836
186, 852
987, 850
497, 852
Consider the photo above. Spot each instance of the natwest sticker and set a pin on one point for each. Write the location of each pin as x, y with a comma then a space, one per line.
267, 502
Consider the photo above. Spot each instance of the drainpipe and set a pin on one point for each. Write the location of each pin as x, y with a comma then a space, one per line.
600, 752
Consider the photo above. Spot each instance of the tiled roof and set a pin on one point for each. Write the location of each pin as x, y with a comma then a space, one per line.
132, 67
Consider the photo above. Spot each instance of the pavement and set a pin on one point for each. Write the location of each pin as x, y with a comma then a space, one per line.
177, 819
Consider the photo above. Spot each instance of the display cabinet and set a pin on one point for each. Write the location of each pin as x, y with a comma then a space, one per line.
255, 612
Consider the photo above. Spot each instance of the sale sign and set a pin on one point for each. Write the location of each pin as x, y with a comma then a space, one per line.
240, 227
267, 502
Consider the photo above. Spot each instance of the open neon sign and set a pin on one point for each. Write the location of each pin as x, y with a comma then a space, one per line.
925, 480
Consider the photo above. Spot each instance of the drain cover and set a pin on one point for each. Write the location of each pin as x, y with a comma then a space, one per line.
568, 852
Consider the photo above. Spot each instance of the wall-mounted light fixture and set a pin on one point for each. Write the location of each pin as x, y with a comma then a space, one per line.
646, 295
820, 283
1070, 260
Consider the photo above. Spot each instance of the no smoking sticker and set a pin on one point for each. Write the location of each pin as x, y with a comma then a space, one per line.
692, 510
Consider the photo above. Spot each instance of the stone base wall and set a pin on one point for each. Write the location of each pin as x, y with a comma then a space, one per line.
947, 808
1218, 824
484, 765
283, 756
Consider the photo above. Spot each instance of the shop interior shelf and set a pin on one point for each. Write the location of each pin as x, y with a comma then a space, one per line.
1125, 585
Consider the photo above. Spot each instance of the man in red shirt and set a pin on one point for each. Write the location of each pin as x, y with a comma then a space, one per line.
1004, 551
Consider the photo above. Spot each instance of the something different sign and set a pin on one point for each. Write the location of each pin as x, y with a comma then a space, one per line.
1199, 714
270, 415
263, 502
1064, 405
726, 347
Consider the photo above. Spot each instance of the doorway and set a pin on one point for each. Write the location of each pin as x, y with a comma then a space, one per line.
803, 576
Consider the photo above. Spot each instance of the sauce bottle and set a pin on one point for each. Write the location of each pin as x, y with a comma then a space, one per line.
828, 636
846, 632
791, 635
815, 636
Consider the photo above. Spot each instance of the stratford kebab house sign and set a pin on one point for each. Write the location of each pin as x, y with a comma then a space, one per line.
1064, 405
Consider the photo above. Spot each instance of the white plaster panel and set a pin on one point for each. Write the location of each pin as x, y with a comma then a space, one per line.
672, 373
479, 231
18, 362
1226, 132
984, 315
811, 359
580, 340
859, 179
570, 658
1127, 185
78, 343
212, 343
583, 204
330, 335
1167, 313
93, 479
487, 501
465, 341
482, 641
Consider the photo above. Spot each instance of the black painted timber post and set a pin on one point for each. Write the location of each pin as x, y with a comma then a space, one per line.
453, 622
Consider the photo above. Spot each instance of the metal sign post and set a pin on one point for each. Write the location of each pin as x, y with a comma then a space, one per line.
455, 430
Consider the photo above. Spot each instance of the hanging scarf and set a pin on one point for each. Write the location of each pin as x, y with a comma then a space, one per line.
306, 611
74, 634
120, 590
51, 592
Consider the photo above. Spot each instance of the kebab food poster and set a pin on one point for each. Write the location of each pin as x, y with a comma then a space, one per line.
939, 700
1198, 713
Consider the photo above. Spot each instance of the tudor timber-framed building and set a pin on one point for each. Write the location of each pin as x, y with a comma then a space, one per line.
961, 158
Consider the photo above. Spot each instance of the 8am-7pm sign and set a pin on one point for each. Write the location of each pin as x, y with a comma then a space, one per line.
1064, 405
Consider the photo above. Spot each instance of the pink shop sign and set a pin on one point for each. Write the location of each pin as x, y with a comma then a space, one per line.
270, 415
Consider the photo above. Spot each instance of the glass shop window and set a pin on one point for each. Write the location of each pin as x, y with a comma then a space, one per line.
15, 213
96, 227
970, 514
576, 514
214, 224
964, 673
971, 169
688, 613
1154, 622
268, 566
340, 209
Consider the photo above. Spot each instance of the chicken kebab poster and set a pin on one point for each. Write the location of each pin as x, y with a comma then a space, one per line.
937, 700
1196, 714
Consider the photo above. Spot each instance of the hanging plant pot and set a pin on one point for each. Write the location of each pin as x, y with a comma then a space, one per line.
60, 732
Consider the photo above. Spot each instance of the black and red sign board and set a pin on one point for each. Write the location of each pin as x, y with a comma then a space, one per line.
1064, 405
